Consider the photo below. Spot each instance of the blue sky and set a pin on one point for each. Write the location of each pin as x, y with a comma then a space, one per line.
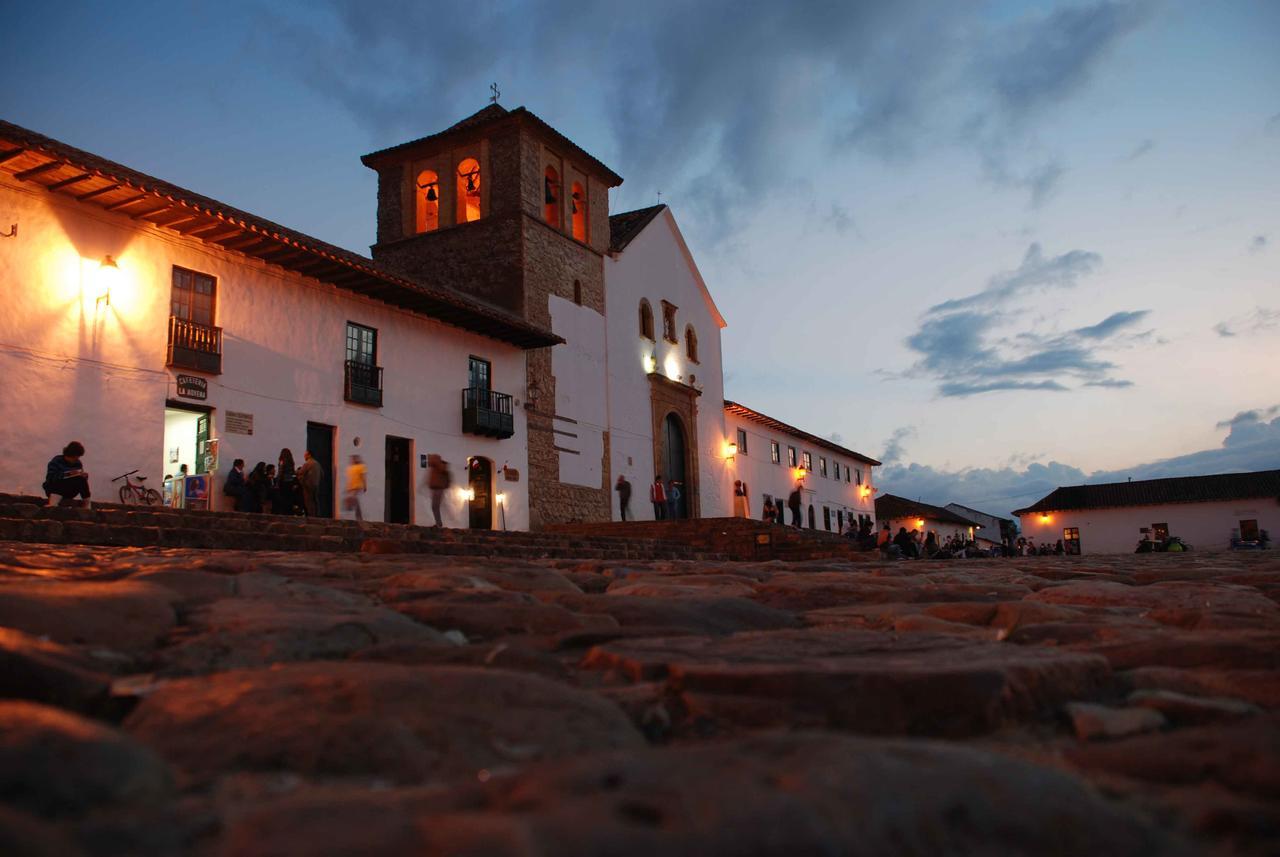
1005, 245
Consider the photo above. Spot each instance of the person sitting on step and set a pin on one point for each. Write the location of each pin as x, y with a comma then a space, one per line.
65, 477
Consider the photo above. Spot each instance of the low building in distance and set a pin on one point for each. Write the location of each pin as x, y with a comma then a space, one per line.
1205, 511
994, 529
914, 515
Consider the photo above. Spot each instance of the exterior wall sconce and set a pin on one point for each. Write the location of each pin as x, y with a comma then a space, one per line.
801, 473
467, 494
730, 451
501, 498
920, 523
651, 363
531, 395
1044, 517
108, 273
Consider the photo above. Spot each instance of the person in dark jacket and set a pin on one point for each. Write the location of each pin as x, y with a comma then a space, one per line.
624, 496
793, 503
235, 487
287, 497
65, 477
258, 488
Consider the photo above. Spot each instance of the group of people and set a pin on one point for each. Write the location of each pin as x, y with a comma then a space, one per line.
283, 488
919, 545
665, 497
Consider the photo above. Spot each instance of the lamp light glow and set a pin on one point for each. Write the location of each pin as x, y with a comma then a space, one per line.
106, 276
502, 498
730, 451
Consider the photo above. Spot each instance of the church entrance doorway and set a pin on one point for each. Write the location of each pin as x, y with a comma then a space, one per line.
672, 461
480, 492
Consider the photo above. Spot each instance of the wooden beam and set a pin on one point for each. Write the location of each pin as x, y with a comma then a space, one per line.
212, 224
149, 212
35, 171
170, 224
247, 240
125, 202
307, 268
10, 154
69, 182
219, 237
279, 257
99, 192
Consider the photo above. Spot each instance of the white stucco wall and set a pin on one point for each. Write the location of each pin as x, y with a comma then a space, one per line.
657, 266
77, 368
579, 366
762, 476
1206, 526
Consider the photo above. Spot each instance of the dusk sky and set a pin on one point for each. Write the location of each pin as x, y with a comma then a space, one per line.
1004, 245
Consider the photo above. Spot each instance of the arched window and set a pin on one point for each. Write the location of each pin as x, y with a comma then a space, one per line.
551, 197
646, 320
691, 344
468, 190
579, 209
577, 292
428, 201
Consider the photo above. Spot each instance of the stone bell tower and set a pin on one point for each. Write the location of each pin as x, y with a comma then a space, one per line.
504, 207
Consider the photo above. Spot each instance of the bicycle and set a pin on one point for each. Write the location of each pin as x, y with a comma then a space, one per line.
135, 493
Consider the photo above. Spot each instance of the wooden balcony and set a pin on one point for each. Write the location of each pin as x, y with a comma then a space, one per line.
487, 413
363, 383
194, 346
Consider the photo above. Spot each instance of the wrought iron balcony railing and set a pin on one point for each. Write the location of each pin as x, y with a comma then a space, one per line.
194, 346
487, 413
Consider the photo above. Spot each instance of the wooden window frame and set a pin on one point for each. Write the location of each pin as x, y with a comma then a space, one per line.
775, 452
669, 311
647, 330
742, 441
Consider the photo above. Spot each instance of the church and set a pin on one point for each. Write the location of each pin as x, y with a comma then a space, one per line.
504, 320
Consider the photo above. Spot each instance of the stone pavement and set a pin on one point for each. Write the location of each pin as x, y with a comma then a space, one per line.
159, 701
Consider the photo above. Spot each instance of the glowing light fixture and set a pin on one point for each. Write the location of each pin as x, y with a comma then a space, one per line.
651, 362
502, 498
730, 451
1044, 517
920, 523
107, 275
467, 494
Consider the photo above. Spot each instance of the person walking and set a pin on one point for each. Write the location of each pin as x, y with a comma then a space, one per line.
309, 476
769, 513
257, 488
741, 508
235, 487
65, 477
793, 503
438, 481
673, 500
658, 497
356, 485
624, 496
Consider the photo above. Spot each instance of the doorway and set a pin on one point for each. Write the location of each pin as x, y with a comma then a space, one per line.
812, 521
320, 445
480, 483
399, 481
672, 462
186, 441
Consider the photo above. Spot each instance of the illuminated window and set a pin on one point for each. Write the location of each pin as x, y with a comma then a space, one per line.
836, 470
577, 292
822, 468
775, 452
578, 208
427, 196
808, 461
1071, 540
691, 344
646, 320
551, 199
742, 442
468, 190
791, 456
669, 322
846, 476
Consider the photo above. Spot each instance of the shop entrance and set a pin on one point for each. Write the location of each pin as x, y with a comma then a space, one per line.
187, 452
480, 485
320, 445
399, 480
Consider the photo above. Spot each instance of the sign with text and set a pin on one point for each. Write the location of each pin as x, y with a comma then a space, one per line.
239, 423
511, 474
191, 387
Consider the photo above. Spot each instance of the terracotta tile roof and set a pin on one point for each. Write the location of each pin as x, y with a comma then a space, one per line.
492, 115
778, 425
1156, 492
890, 506
93, 180
624, 227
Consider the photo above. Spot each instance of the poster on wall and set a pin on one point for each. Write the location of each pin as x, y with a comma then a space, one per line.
211, 455
196, 492
239, 423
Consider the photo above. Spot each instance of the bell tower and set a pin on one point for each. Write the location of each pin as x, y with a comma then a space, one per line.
503, 207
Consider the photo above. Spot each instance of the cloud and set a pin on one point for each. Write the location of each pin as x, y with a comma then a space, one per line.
1111, 383
710, 119
1035, 273
1272, 125
1252, 322
1041, 181
894, 451
1140, 150
1252, 443
1258, 244
1111, 324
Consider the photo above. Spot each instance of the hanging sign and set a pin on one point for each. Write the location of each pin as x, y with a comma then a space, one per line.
239, 423
511, 474
191, 387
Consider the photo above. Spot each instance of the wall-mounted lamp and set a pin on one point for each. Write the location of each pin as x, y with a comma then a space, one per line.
730, 451
502, 498
107, 274
920, 523
1044, 517
531, 394
651, 362
467, 494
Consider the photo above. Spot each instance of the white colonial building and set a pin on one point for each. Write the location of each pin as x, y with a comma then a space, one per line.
901, 513
162, 328
505, 322
1205, 511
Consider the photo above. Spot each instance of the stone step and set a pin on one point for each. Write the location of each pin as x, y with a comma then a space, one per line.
737, 538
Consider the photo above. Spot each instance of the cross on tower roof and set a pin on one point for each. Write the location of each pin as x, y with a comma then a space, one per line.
493, 87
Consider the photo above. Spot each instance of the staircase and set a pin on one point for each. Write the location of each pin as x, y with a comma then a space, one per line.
28, 519
736, 538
